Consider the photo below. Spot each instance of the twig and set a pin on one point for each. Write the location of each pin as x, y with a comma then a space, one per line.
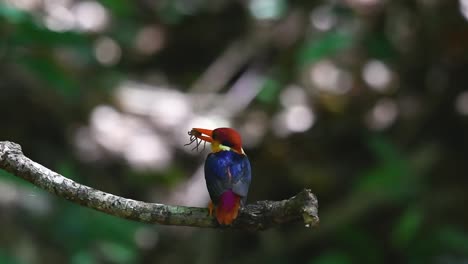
257, 216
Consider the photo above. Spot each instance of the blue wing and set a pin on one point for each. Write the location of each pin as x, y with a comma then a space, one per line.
227, 170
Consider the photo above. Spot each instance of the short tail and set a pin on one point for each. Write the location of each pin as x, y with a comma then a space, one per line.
227, 208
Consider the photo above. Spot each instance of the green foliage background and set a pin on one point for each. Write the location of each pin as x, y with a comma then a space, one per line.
395, 194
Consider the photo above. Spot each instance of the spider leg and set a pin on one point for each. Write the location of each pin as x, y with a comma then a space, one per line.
192, 139
198, 142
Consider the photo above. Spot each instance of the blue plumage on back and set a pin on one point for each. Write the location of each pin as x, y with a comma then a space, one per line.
227, 170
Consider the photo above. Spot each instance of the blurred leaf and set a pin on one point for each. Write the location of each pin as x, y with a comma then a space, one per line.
361, 245
6, 176
380, 47
327, 45
391, 177
118, 253
29, 33
83, 257
448, 244
51, 73
454, 238
119, 7
270, 9
172, 176
66, 169
334, 257
407, 227
5, 258
86, 226
169, 13
384, 150
11, 14
269, 91
125, 33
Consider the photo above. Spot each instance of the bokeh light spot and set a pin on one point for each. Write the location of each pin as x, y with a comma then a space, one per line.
377, 75
383, 114
464, 8
299, 118
327, 77
8, 193
322, 18
461, 103
59, 18
150, 40
27, 5
254, 128
145, 150
293, 95
91, 16
267, 9
107, 51
146, 237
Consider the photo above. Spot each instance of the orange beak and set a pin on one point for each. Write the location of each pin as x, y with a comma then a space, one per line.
203, 134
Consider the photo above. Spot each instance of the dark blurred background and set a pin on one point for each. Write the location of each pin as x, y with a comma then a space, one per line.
363, 101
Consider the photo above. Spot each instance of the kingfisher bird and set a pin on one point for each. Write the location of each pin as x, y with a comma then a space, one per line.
227, 172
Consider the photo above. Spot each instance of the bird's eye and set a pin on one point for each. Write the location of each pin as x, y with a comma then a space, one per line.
214, 136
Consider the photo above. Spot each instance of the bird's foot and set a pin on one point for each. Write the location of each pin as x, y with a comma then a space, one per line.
211, 208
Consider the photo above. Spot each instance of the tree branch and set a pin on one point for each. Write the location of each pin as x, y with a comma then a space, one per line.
257, 216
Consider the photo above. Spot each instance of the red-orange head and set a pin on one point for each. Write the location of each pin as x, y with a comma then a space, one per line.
223, 138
